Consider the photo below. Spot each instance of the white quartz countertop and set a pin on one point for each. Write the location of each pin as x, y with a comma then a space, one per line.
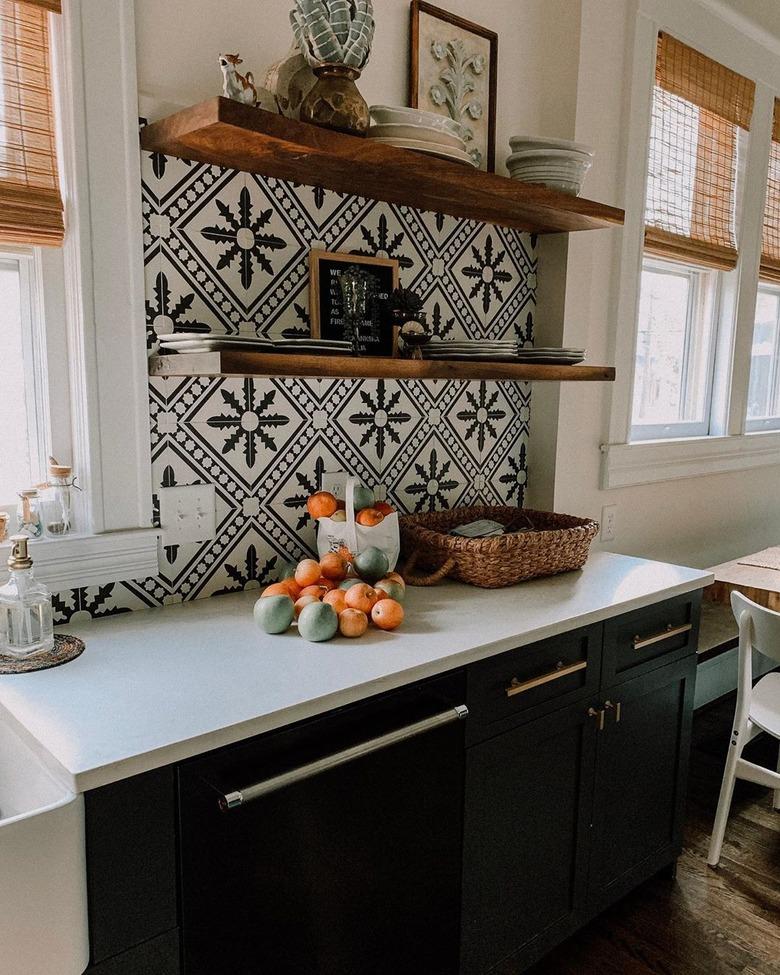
160, 685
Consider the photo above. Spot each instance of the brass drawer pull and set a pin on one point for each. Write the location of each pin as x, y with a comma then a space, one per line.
641, 642
561, 670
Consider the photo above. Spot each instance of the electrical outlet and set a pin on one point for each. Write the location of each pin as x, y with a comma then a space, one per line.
608, 522
187, 514
333, 481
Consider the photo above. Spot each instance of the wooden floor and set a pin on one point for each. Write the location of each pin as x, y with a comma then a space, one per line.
705, 922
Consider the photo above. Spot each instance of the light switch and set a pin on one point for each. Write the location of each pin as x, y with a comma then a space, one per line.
187, 514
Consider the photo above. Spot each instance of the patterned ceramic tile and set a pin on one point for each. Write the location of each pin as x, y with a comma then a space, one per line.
223, 249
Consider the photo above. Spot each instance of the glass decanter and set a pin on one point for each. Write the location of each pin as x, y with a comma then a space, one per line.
26, 623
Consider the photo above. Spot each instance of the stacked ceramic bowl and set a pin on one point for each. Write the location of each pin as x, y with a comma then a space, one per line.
426, 132
556, 163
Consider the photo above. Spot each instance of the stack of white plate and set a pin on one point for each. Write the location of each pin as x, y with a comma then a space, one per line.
552, 356
198, 342
427, 132
556, 163
471, 349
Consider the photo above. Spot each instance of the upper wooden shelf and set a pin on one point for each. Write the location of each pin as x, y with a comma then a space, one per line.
225, 133
366, 367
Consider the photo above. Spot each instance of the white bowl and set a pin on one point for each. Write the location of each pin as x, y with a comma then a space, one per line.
551, 156
420, 133
400, 115
520, 142
572, 187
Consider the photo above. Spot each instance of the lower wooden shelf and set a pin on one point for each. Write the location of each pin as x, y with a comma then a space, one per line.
347, 367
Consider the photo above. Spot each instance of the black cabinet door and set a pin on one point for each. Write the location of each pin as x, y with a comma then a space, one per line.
527, 814
641, 773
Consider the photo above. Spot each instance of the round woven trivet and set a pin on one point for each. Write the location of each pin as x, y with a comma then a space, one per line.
66, 648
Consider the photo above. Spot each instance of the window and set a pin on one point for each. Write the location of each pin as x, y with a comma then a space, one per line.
763, 407
675, 351
31, 215
25, 412
700, 114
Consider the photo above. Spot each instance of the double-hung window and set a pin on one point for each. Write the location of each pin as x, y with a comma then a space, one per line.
701, 114
763, 407
31, 219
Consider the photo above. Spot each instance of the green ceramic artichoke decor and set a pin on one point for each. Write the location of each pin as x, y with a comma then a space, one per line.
335, 37
334, 31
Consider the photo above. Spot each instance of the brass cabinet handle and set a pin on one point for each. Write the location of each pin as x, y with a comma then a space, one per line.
617, 707
597, 713
561, 670
641, 642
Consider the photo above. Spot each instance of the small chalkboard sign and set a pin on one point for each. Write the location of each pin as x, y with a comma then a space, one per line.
329, 319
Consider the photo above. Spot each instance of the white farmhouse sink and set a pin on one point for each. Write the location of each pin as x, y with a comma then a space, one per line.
43, 895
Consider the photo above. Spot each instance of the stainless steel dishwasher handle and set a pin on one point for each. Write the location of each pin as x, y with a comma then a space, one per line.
232, 800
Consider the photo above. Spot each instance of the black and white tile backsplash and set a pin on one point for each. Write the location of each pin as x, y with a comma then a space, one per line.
226, 251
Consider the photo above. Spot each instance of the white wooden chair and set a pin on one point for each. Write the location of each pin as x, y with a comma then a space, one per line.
758, 709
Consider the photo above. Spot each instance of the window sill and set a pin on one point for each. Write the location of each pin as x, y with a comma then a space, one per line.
93, 560
624, 465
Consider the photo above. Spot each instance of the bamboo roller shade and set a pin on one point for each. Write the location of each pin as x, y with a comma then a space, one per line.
698, 108
31, 210
770, 247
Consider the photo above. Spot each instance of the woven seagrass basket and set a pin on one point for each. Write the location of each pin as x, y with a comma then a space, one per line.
555, 543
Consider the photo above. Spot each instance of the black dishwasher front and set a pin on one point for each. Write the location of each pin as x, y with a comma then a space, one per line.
332, 847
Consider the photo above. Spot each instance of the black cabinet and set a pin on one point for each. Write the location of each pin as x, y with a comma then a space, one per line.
567, 812
641, 771
526, 837
131, 864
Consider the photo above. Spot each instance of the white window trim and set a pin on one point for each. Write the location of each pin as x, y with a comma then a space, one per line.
94, 52
729, 448
668, 460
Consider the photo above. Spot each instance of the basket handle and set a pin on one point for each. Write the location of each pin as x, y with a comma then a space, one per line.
429, 580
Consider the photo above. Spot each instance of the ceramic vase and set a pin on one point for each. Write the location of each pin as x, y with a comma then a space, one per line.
335, 102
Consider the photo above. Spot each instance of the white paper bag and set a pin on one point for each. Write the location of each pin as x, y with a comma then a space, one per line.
333, 535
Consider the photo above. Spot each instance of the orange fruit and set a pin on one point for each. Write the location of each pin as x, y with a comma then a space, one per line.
307, 572
387, 614
302, 601
278, 589
369, 517
322, 504
396, 577
327, 583
340, 505
332, 566
337, 598
361, 597
316, 590
384, 507
353, 622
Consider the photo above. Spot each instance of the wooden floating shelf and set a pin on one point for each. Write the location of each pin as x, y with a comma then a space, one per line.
225, 133
354, 367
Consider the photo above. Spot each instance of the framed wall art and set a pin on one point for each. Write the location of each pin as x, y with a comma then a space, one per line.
348, 295
454, 72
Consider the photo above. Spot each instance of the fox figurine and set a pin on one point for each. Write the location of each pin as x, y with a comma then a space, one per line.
239, 87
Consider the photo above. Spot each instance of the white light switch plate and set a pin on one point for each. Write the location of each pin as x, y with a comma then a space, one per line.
187, 514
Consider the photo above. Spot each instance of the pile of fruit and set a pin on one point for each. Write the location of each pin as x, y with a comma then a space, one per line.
368, 511
341, 593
